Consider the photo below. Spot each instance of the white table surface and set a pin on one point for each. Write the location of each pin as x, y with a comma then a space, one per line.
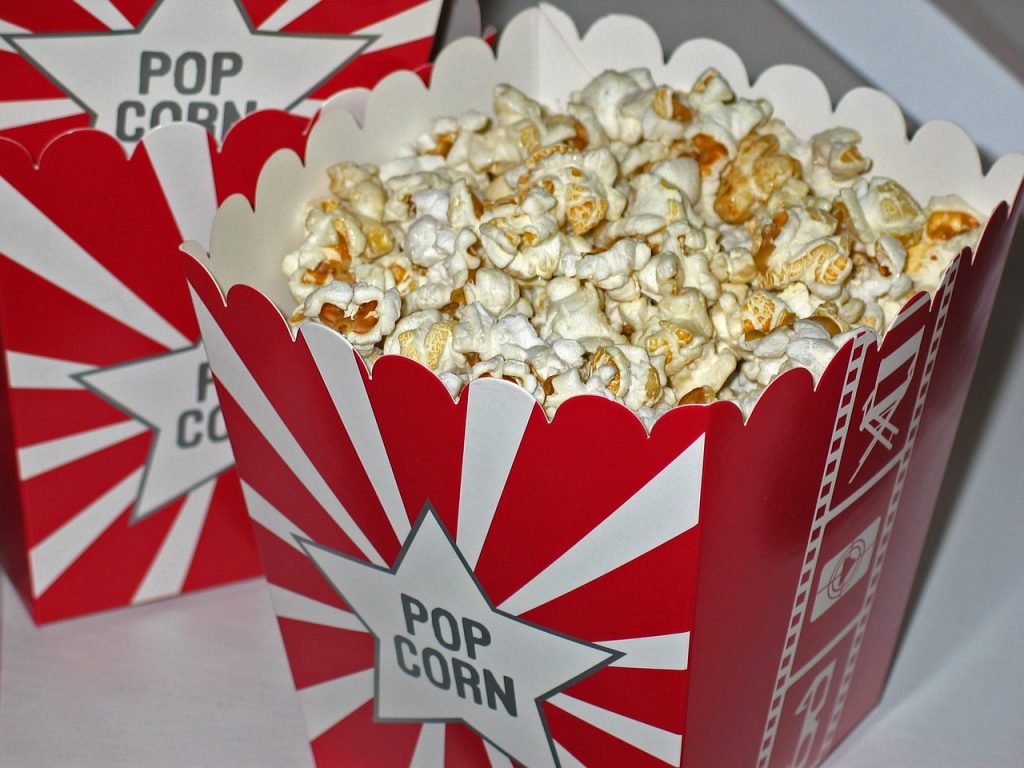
202, 680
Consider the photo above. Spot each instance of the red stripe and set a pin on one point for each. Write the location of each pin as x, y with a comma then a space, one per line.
110, 571
422, 430
41, 319
53, 16
346, 17
134, 10
368, 69
463, 747
226, 550
248, 144
51, 500
653, 696
359, 741
318, 654
602, 456
36, 136
592, 746
20, 80
291, 569
46, 414
271, 478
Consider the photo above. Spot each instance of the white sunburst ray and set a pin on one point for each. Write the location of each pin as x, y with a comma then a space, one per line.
42, 457
105, 12
326, 704
50, 558
429, 749
414, 23
343, 381
497, 416
34, 242
240, 383
22, 112
657, 742
180, 156
667, 506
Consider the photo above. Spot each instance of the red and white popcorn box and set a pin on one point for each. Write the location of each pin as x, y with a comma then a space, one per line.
126, 67
472, 584
118, 481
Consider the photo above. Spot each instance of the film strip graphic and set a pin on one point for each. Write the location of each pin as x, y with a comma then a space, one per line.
876, 415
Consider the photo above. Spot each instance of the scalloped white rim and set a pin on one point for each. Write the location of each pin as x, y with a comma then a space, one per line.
541, 52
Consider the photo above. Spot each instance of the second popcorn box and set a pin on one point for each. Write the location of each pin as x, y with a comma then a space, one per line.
124, 125
688, 355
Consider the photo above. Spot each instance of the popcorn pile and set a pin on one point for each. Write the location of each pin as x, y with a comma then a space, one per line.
649, 245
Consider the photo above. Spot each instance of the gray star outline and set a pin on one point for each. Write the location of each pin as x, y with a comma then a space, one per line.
428, 510
13, 38
82, 378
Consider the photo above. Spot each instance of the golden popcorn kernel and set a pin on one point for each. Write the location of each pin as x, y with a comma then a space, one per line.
581, 140
944, 225
658, 345
297, 316
529, 136
709, 152
652, 386
540, 154
436, 340
830, 265
764, 242
443, 145
698, 396
753, 334
600, 359
827, 323
911, 238
363, 321
329, 205
328, 270
379, 239
478, 205
342, 248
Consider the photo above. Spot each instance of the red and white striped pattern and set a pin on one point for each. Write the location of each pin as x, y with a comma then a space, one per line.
555, 528
90, 279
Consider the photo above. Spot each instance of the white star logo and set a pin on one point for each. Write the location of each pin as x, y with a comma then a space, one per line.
173, 394
444, 653
194, 60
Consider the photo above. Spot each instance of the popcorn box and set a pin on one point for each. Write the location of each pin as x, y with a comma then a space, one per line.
118, 479
468, 582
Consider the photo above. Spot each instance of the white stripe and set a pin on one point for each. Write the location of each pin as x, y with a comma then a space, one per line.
237, 379
496, 757
267, 515
327, 704
307, 107
14, 114
106, 12
658, 652
292, 605
340, 372
664, 508
565, 758
416, 23
6, 28
429, 752
496, 420
36, 243
55, 554
25, 371
166, 575
180, 156
36, 459
657, 742
285, 14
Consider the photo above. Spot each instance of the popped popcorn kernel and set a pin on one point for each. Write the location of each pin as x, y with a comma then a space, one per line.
648, 244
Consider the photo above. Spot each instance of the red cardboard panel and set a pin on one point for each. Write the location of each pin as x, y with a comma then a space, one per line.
494, 599
119, 483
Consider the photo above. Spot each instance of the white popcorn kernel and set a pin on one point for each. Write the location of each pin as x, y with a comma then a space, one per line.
453, 382
611, 269
683, 173
677, 346
604, 94
629, 374
697, 274
576, 314
494, 290
835, 150
426, 336
711, 369
763, 312
710, 89
890, 210
406, 166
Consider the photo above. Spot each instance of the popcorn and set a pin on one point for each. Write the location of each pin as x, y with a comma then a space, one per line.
649, 245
